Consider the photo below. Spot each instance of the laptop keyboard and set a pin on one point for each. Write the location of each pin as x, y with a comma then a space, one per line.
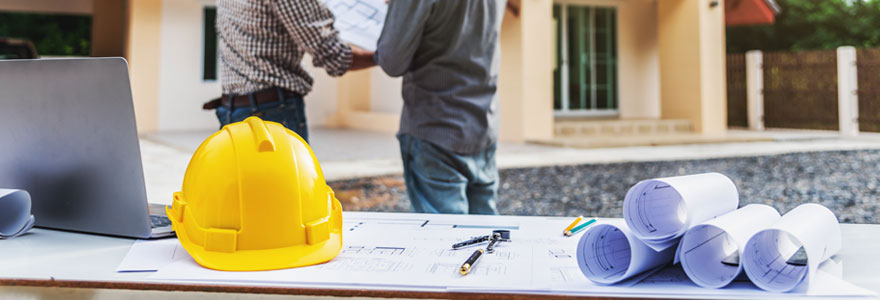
157, 221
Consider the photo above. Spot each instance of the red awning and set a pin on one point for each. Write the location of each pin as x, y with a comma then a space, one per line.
750, 12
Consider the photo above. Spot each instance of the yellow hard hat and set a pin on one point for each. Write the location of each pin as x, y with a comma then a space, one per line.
254, 198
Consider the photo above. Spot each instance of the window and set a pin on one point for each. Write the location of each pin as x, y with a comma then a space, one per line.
209, 63
585, 75
50, 34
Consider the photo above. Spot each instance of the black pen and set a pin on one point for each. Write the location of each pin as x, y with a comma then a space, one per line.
470, 262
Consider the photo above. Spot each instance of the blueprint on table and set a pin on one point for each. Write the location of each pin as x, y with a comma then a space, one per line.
359, 21
411, 251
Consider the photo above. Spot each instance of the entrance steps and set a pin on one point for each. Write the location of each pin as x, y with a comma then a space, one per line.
614, 128
592, 133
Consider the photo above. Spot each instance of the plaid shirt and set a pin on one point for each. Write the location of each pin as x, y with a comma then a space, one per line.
262, 43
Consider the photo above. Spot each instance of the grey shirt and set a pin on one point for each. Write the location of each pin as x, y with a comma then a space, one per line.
448, 54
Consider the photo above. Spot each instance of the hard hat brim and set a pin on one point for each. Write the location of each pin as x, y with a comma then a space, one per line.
264, 260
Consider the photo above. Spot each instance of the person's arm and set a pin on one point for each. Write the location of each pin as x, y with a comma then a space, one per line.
310, 24
402, 35
361, 59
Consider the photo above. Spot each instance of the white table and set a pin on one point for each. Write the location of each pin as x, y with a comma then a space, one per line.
50, 258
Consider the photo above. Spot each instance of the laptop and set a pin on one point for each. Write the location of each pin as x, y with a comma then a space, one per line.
68, 137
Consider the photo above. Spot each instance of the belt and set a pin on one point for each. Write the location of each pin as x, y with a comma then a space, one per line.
268, 95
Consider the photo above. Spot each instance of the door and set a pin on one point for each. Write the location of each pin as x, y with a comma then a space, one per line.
585, 73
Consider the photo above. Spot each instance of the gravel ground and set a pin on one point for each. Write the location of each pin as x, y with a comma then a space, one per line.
847, 182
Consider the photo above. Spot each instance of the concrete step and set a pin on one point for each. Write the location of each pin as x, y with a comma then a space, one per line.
616, 128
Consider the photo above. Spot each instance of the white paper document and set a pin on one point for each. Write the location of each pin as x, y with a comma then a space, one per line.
150, 255
414, 252
773, 258
359, 22
609, 253
710, 252
15, 213
659, 211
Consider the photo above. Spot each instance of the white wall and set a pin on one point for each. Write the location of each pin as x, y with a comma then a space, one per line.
181, 88
385, 92
321, 103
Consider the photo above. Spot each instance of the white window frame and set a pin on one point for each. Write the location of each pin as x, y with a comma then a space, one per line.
565, 96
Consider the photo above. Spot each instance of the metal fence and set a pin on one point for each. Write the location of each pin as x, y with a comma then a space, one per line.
800, 89
737, 114
868, 61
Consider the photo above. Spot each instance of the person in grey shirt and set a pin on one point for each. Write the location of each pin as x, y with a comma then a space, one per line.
448, 54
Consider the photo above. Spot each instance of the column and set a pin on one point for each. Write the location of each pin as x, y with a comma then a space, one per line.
847, 91
691, 38
526, 84
755, 89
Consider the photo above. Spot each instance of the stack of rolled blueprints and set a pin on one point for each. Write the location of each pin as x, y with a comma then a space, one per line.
694, 219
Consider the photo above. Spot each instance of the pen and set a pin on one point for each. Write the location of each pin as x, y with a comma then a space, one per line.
472, 241
576, 221
579, 227
469, 263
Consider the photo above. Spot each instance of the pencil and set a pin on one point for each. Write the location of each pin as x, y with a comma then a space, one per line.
576, 221
579, 228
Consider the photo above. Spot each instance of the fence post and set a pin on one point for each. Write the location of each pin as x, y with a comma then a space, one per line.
755, 89
847, 91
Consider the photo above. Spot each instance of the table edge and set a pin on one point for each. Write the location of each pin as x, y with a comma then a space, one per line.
279, 290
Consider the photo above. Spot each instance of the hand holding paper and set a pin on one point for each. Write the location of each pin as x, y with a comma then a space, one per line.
359, 21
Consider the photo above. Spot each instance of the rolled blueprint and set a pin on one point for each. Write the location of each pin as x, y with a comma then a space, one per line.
15, 213
609, 253
710, 251
773, 258
659, 211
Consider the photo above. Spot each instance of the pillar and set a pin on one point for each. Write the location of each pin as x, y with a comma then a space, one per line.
526, 81
691, 37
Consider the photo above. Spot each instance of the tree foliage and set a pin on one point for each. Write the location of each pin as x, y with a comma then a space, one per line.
811, 25
63, 35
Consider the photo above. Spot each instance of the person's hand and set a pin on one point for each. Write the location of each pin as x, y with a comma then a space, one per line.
361, 59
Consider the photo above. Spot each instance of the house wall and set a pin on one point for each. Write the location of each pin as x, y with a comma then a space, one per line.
142, 52
321, 103
109, 27
181, 87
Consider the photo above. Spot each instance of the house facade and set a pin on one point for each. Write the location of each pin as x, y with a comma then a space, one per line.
571, 69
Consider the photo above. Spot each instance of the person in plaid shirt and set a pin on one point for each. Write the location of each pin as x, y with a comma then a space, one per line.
262, 44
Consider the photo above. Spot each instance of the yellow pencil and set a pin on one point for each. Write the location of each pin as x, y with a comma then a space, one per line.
573, 224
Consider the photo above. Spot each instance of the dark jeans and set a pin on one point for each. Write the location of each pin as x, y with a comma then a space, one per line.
442, 181
290, 112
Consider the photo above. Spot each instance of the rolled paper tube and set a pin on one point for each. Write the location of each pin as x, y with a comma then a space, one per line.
773, 258
710, 252
15, 213
609, 253
659, 211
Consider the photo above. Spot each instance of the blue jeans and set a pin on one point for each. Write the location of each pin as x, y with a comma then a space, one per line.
442, 181
290, 112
